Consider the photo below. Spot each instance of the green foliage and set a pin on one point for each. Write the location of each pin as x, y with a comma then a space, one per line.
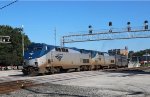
11, 53
142, 52
139, 53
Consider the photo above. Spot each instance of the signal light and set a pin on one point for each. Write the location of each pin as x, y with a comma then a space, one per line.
129, 28
90, 26
110, 23
90, 29
145, 21
145, 25
128, 23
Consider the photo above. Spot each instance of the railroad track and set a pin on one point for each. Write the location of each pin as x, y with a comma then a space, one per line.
129, 69
11, 86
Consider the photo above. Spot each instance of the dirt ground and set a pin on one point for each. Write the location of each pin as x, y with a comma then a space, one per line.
99, 83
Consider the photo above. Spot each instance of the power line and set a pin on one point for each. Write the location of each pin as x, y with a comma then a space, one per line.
8, 4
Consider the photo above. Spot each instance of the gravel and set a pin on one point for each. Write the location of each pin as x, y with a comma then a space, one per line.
56, 90
86, 84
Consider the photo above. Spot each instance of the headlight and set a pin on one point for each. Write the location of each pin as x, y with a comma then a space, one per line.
36, 64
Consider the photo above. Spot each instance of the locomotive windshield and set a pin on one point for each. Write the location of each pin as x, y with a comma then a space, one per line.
34, 48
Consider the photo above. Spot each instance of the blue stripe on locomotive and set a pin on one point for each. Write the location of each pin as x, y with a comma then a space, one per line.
37, 50
93, 53
31, 53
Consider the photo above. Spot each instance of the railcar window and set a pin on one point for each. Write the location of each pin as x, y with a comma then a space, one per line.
61, 49
49, 61
112, 61
66, 50
85, 60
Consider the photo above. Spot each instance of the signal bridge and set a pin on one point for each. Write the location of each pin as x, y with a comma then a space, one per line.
5, 39
110, 34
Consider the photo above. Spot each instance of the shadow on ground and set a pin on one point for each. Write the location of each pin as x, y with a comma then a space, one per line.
127, 72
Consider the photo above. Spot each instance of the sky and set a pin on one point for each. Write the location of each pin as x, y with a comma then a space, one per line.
40, 18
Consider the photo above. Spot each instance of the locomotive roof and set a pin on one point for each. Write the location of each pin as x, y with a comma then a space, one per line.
52, 47
41, 49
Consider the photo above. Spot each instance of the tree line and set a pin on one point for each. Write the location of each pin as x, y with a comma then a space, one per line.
138, 53
11, 53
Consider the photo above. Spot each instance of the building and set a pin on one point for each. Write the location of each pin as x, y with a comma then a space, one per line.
123, 52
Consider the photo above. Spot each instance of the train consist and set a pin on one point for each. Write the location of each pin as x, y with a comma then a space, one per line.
43, 58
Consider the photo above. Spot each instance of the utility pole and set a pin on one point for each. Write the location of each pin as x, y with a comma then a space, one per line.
22, 41
55, 35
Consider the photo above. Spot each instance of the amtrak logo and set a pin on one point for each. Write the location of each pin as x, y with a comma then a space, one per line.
31, 54
59, 56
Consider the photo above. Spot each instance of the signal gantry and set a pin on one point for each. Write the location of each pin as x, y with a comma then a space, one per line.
109, 34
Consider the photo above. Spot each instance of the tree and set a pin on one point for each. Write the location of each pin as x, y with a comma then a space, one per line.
11, 53
130, 54
139, 53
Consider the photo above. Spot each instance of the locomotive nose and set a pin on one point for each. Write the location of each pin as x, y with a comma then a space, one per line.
32, 62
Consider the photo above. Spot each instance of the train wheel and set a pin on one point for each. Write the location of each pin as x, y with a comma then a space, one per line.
52, 70
81, 68
25, 72
95, 67
98, 67
77, 69
32, 72
89, 68
57, 69
65, 70
86, 68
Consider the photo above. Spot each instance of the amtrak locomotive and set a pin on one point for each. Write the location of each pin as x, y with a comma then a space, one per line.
42, 58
